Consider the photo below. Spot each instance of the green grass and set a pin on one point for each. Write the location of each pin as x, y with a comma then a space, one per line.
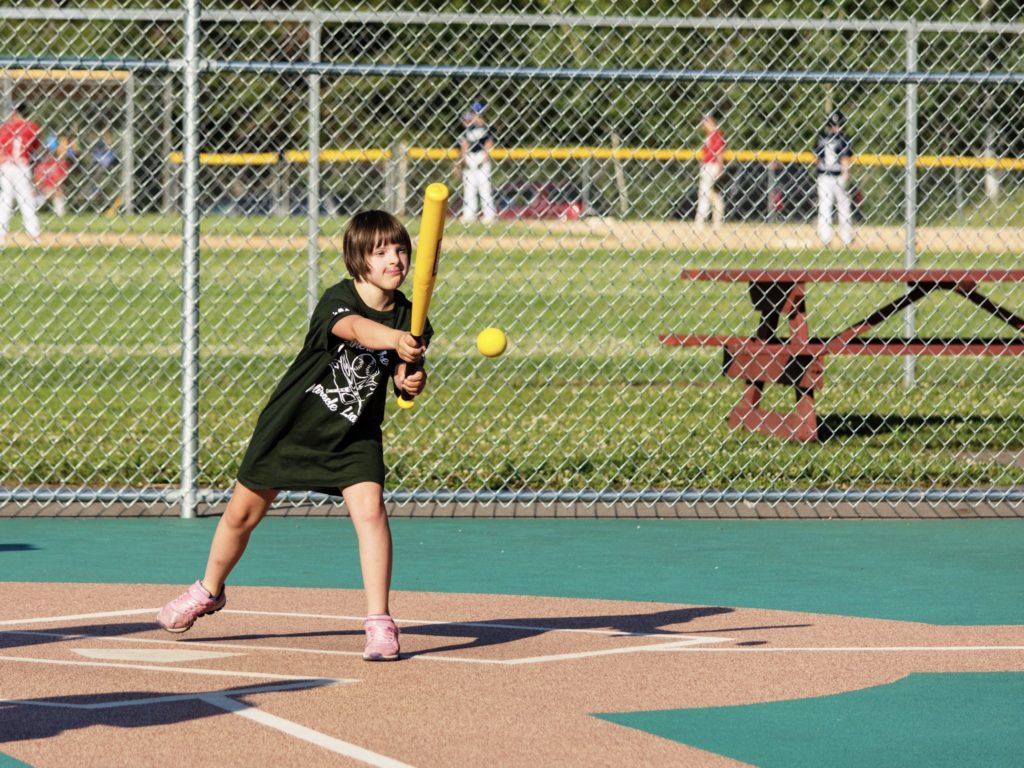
585, 398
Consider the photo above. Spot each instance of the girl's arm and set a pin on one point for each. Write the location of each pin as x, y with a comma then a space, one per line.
373, 335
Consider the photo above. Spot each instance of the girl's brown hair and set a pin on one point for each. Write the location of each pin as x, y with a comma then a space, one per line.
366, 231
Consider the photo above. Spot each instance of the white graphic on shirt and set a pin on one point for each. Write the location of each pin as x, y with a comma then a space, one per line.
354, 377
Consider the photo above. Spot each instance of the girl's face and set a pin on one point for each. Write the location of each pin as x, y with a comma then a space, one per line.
389, 264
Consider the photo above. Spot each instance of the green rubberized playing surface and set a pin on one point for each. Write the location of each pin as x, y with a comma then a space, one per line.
915, 721
934, 571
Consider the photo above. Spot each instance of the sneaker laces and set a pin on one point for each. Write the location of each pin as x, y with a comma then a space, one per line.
380, 631
191, 602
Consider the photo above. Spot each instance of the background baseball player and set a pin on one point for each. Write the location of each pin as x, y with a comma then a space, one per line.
712, 166
51, 172
834, 155
475, 144
19, 138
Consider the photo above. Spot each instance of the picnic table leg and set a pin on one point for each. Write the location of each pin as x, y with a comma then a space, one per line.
800, 424
806, 426
746, 413
773, 301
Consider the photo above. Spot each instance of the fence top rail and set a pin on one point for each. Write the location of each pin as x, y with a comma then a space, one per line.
412, 18
853, 275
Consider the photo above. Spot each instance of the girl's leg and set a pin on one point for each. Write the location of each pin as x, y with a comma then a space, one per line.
365, 502
245, 510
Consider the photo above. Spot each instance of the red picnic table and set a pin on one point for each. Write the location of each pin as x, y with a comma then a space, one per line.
798, 360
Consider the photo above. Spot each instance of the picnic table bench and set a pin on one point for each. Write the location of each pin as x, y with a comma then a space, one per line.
798, 359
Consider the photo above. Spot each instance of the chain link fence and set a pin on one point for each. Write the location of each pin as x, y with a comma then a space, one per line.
200, 167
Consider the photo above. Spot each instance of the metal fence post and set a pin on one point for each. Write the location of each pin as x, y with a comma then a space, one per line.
190, 270
401, 187
910, 181
167, 171
313, 174
128, 147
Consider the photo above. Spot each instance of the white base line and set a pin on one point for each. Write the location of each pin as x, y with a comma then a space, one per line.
477, 624
171, 698
179, 670
179, 641
298, 731
78, 616
337, 617
684, 644
676, 644
230, 704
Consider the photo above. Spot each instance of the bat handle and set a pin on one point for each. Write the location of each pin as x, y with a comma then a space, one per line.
405, 400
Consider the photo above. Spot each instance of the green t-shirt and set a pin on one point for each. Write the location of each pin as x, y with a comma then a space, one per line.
321, 429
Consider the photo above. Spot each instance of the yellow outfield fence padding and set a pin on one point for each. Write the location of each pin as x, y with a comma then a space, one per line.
356, 155
340, 155
59, 75
224, 158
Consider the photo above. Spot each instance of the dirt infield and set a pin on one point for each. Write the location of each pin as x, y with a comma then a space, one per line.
597, 234
277, 678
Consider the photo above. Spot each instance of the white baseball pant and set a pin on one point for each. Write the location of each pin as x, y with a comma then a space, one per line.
832, 194
709, 199
476, 183
16, 184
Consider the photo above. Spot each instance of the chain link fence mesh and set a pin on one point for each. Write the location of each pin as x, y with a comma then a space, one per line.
308, 112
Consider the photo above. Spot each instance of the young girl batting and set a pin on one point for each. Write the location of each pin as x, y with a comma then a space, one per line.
321, 429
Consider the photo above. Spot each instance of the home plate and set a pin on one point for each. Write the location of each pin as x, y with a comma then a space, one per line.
153, 655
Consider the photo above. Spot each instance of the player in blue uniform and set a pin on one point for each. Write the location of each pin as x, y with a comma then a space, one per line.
475, 144
834, 155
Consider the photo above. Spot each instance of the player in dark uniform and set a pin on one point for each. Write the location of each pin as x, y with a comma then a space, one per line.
321, 429
475, 145
834, 155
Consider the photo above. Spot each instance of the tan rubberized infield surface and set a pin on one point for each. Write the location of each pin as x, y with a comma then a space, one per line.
277, 677
596, 234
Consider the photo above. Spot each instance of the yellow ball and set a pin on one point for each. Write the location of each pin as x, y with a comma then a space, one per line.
491, 342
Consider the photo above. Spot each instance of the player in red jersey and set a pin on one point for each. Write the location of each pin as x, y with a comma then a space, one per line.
712, 165
19, 138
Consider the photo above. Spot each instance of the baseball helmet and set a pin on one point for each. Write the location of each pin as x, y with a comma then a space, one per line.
836, 118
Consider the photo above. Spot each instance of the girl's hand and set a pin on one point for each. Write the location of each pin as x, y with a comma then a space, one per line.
411, 382
409, 350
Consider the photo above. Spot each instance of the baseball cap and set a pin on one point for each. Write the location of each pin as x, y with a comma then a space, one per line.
477, 108
836, 118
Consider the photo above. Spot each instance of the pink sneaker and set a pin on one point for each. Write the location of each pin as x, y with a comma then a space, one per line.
181, 613
381, 638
